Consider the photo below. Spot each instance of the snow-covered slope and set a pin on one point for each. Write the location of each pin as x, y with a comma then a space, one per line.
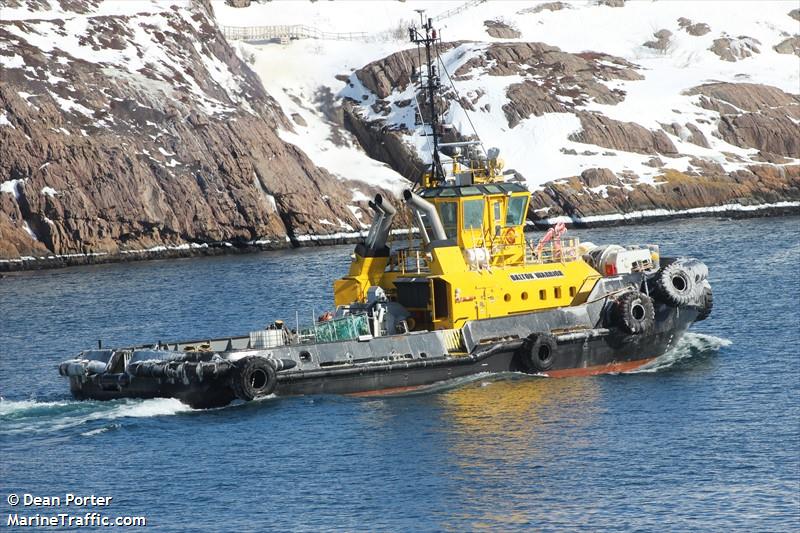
674, 47
131, 125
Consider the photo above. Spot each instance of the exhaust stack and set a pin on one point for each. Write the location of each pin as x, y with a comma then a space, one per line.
381, 224
421, 206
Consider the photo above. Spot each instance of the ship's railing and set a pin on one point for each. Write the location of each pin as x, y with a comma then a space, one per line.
409, 261
554, 251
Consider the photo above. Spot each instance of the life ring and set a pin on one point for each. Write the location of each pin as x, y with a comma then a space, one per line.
675, 285
634, 312
510, 236
253, 377
538, 352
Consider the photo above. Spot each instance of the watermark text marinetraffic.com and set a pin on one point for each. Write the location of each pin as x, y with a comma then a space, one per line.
68, 510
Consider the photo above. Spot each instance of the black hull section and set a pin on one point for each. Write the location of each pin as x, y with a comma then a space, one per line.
573, 356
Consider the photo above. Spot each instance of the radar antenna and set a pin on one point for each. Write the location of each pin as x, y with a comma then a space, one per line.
428, 37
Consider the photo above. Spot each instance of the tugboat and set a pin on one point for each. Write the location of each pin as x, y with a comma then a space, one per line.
471, 295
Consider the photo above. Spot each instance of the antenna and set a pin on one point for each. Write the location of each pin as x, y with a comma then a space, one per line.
429, 37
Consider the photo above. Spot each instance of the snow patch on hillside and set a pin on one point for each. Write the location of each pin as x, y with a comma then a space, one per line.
303, 94
534, 147
135, 53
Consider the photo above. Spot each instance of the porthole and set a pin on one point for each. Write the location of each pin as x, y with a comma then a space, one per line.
524, 295
507, 297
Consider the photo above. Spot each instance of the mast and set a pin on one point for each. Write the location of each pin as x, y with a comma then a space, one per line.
429, 39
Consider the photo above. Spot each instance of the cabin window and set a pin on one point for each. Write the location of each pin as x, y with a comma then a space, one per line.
557, 292
542, 294
497, 208
497, 211
473, 214
448, 212
516, 210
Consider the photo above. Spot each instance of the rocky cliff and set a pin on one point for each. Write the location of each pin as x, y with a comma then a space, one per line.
601, 137
132, 130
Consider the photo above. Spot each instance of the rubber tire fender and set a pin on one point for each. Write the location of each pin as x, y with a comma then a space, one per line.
707, 304
675, 286
538, 352
634, 312
253, 377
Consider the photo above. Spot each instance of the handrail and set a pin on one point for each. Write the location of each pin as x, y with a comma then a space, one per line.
291, 31
304, 31
458, 9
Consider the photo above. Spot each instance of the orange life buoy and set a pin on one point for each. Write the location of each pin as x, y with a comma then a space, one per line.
510, 236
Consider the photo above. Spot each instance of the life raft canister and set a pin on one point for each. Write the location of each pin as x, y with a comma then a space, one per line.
538, 352
634, 312
253, 377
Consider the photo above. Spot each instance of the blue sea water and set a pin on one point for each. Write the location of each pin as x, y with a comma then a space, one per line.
707, 438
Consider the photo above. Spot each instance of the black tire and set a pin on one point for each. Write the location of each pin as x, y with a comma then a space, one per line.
675, 285
634, 312
538, 352
253, 377
707, 304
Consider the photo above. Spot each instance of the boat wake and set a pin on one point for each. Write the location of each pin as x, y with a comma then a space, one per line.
692, 346
48, 417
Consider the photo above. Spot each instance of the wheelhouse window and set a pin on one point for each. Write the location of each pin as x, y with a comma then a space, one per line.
515, 213
473, 214
448, 213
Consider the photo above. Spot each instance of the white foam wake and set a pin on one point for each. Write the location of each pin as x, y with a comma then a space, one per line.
31, 416
691, 345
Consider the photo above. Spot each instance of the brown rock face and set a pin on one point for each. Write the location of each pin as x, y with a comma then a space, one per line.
393, 72
661, 42
789, 46
554, 70
383, 144
501, 30
627, 136
755, 116
563, 80
747, 96
107, 159
770, 132
547, 6
697, 29
696, 136
578, 197
504, 59
735, 48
